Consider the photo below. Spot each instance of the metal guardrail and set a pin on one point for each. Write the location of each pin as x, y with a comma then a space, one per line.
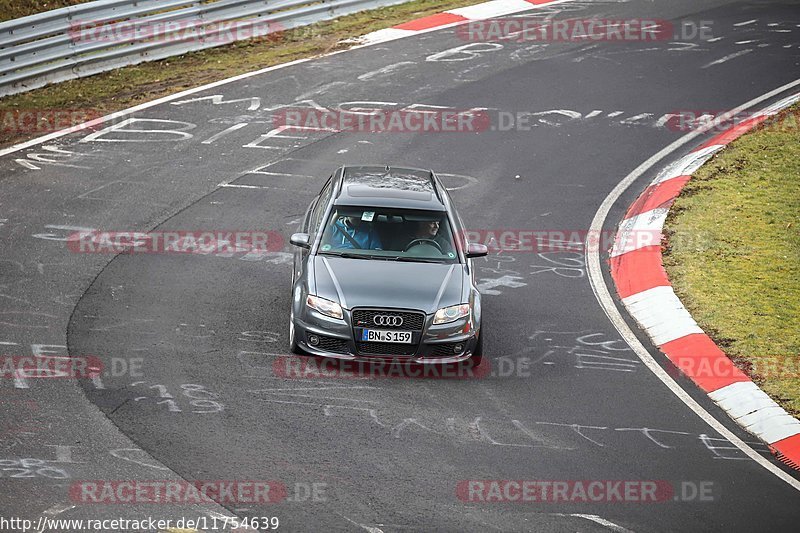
103, 35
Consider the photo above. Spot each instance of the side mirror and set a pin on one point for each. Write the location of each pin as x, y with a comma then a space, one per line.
303, 240
477, 250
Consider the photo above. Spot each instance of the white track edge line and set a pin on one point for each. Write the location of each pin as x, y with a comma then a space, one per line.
601, 291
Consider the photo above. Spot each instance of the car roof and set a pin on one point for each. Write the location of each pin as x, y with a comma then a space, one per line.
384, 186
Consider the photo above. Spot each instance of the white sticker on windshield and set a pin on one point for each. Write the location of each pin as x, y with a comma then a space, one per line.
368, 216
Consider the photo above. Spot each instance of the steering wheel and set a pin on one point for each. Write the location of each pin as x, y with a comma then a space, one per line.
423, 241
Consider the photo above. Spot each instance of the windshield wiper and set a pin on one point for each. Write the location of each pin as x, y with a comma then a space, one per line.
415, 259
347, 255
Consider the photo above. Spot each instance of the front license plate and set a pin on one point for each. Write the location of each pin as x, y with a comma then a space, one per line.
381, 335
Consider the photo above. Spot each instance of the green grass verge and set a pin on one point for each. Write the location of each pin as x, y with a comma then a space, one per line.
733, 254
125, 87
14, 9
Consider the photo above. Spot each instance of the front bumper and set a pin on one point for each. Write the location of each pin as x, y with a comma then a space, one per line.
435, 341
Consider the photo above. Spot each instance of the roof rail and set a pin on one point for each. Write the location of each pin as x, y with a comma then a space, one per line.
339, 181
435, 184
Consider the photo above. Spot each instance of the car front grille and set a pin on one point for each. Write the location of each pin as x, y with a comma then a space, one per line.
413, 321
365, 318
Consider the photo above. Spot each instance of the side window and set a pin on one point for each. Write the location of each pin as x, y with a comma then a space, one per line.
319, 210
307, 216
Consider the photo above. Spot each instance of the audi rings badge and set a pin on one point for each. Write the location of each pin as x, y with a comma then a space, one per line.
388, 320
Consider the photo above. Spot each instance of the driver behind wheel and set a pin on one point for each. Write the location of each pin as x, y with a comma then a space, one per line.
428, 230
352, 232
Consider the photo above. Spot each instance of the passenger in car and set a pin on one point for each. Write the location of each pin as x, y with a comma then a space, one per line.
352, 232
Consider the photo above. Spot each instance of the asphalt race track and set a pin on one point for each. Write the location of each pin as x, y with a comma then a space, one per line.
565, 398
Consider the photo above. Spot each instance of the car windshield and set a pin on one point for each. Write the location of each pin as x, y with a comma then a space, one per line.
389, 234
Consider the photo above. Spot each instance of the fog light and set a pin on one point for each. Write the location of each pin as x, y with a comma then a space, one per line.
458, 348
313, 340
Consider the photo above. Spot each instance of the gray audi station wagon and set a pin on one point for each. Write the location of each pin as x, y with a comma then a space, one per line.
382, 270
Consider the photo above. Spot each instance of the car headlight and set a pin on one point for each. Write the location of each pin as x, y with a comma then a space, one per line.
326, 307
449, 314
